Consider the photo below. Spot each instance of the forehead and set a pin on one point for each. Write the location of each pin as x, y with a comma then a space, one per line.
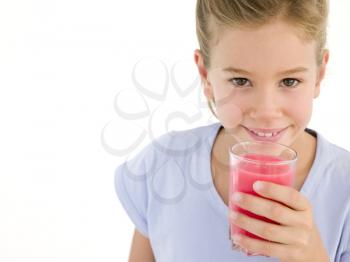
270, 47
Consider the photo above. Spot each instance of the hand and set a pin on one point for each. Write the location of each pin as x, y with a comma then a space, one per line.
294, 239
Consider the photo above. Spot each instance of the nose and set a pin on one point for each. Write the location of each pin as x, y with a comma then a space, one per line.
266, 106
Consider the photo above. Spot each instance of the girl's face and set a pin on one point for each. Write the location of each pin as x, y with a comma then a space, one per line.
263, 81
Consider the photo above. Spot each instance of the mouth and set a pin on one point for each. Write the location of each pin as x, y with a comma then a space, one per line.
271, 135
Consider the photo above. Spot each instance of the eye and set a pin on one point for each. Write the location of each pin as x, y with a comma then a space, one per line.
290, 82
239, 81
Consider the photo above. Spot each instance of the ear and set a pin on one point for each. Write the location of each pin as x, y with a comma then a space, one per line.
203, 72
321, 72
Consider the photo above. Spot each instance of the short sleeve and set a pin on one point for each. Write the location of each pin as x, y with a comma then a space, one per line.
345, 257
345, 247
131, 187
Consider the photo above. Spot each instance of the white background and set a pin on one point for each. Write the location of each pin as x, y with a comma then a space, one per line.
62, 66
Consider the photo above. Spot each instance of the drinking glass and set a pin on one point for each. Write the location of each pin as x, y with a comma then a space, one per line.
251, 161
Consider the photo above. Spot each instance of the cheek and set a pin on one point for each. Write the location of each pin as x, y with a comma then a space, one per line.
231, 107
228, 108
299, 109
229, 114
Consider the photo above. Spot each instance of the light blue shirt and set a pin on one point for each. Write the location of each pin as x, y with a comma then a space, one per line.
168, 193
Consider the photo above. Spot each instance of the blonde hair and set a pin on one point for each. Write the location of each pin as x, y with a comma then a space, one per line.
308, 16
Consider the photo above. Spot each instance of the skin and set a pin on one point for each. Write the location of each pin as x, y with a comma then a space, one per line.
265, 98
141, 249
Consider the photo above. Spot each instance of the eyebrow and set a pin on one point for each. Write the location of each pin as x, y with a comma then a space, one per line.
289, 71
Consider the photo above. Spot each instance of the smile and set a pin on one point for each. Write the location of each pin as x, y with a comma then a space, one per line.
271, 135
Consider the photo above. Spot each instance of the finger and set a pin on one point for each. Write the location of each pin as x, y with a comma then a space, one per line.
268, 208
265, 230
256, 246
283, 194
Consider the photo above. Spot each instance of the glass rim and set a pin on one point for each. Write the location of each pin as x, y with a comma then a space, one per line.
259, 162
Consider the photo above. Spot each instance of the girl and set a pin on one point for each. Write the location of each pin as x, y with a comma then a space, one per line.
271, 55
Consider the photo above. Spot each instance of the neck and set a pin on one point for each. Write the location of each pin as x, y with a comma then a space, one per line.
305, 146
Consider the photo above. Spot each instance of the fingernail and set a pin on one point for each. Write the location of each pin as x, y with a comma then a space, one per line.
258, 186
233, 214
236, 238
236, 197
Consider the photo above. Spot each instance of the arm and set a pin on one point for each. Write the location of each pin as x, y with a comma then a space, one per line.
141, 249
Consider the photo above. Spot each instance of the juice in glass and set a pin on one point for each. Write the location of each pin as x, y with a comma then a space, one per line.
253, 161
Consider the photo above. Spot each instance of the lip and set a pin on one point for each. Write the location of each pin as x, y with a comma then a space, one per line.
277, 137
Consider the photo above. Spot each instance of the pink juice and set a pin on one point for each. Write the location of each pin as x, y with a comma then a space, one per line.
243, 175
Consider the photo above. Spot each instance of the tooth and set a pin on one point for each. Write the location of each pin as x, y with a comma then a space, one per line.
264, 134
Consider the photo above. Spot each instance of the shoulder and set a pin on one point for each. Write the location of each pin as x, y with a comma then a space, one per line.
333, 162
331, 195
185, 142
157, 168
171, 145
334, 155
